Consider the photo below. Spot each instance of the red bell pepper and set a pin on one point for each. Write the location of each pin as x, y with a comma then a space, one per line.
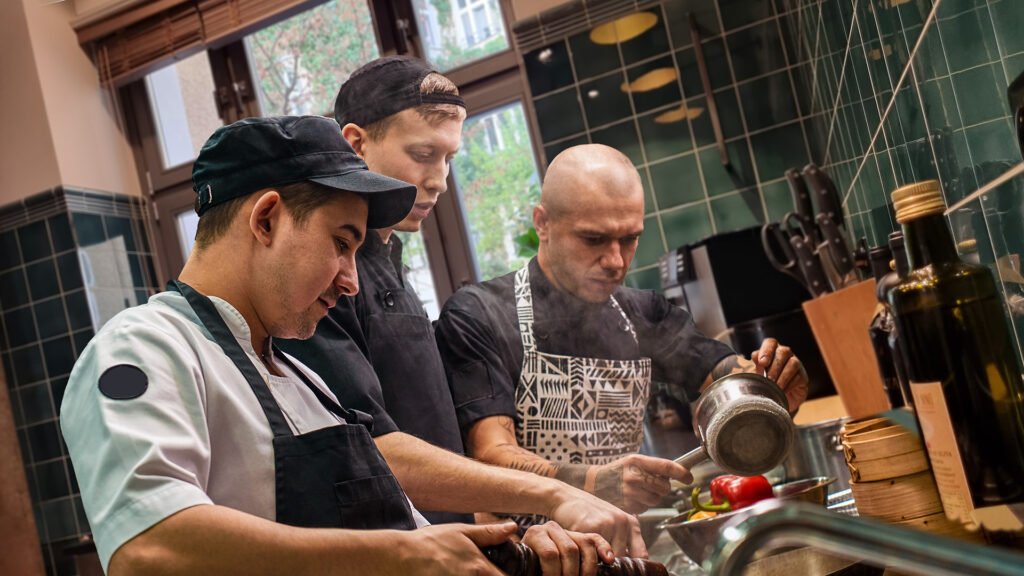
740, 491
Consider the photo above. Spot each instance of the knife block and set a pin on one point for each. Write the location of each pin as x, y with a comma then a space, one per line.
840, 321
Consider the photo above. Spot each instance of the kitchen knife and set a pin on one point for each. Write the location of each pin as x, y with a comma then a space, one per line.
824, 190
839, 249
801, 196
810, 266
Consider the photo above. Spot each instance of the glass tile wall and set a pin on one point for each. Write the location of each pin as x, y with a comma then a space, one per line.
644, 96
49, 310
904, 91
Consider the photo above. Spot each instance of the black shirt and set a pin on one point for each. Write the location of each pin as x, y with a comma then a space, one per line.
386, 321
478, 336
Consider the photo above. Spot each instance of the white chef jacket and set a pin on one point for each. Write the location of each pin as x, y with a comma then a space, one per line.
197, 435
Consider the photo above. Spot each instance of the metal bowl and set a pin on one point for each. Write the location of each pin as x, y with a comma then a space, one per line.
697, 537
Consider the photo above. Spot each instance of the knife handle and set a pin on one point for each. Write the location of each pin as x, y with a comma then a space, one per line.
838, 246
810, 266
801, 196
826, 193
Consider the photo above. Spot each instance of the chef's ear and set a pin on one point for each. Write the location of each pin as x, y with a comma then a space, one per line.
266, 215
540, 222
356, 137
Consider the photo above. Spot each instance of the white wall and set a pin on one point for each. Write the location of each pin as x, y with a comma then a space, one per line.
28, 159
91, 149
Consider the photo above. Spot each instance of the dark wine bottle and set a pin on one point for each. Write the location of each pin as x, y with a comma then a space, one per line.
962, 368
518, 559
883, 324
902, 268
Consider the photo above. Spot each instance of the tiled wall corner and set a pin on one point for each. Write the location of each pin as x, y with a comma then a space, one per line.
49, 310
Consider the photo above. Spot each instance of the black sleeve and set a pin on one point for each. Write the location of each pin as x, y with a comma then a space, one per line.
480, 383
336, 354
680, 354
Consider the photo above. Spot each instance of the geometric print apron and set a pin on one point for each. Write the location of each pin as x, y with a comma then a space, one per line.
576, 410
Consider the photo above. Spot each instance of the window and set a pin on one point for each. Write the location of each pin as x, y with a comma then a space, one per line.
301, 62
418, 275
498, 185
456, 32
184, 113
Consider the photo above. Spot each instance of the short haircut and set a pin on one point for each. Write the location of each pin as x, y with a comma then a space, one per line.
300, 198
433, 83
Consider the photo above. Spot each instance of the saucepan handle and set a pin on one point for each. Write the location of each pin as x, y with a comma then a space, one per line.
692, 458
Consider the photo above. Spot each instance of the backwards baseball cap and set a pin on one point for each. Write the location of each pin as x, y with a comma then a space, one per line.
384, 87
258, 153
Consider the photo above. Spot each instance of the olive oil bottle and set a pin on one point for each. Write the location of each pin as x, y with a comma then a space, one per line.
962, 368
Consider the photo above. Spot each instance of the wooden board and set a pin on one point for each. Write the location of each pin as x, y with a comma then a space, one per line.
840, 323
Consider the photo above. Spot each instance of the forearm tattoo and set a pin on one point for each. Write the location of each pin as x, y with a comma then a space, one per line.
728, 365
608, 485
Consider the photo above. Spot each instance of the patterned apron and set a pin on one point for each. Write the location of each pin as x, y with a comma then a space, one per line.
576, 410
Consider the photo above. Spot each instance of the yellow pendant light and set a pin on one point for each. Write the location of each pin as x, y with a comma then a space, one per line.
678, 114
651, 81
623, 29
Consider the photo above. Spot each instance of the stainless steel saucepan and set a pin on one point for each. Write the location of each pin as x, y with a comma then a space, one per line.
744, 425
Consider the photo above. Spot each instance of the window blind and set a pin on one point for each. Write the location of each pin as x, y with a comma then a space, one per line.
129, 44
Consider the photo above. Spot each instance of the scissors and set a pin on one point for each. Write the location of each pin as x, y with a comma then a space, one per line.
775, 239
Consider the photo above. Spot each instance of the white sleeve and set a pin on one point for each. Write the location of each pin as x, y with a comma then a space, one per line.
139, 460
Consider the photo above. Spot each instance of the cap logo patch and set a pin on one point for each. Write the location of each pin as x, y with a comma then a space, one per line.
123, 382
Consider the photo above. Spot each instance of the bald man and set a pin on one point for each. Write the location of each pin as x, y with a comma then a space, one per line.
550, 366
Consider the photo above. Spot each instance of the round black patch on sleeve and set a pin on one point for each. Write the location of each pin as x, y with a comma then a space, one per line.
123, 382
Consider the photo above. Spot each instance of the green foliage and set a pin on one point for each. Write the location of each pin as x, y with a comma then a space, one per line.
499, 188
528, 243
302, 61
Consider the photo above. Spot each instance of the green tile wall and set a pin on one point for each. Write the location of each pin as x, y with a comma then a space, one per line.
912, 90
764, 109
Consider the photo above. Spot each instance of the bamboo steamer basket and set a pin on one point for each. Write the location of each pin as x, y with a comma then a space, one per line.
876, 449
898, 499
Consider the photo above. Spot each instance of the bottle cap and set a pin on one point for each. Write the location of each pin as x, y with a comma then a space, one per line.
917, 200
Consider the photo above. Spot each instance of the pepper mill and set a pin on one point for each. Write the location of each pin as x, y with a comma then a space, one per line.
518, 559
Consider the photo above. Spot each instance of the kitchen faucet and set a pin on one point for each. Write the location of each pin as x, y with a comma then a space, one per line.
778, 524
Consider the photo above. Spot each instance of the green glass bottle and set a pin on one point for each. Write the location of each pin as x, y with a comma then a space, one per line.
962, 368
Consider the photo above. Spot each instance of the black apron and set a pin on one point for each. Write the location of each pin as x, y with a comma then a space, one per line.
329, 478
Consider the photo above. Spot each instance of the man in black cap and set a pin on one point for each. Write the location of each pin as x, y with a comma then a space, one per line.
200, 448
405, 120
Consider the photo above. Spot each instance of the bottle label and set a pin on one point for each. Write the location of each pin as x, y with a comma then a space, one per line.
940, 441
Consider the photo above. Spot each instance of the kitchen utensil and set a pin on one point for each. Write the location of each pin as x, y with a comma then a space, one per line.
824, 190
802, 203
780, 252
744, 425
818, 451
697, 537
814, 276
839, 248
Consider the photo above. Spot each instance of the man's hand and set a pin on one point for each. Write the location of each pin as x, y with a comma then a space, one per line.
567, 553
635, 482
578, 510
781, 365
451, 548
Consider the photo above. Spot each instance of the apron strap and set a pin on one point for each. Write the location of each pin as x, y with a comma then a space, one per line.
524, 307
224, 338
524, 310
629, 323
352, 417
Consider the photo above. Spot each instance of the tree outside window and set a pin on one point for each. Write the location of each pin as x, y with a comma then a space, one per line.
498, 184
301, 62
455, 32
